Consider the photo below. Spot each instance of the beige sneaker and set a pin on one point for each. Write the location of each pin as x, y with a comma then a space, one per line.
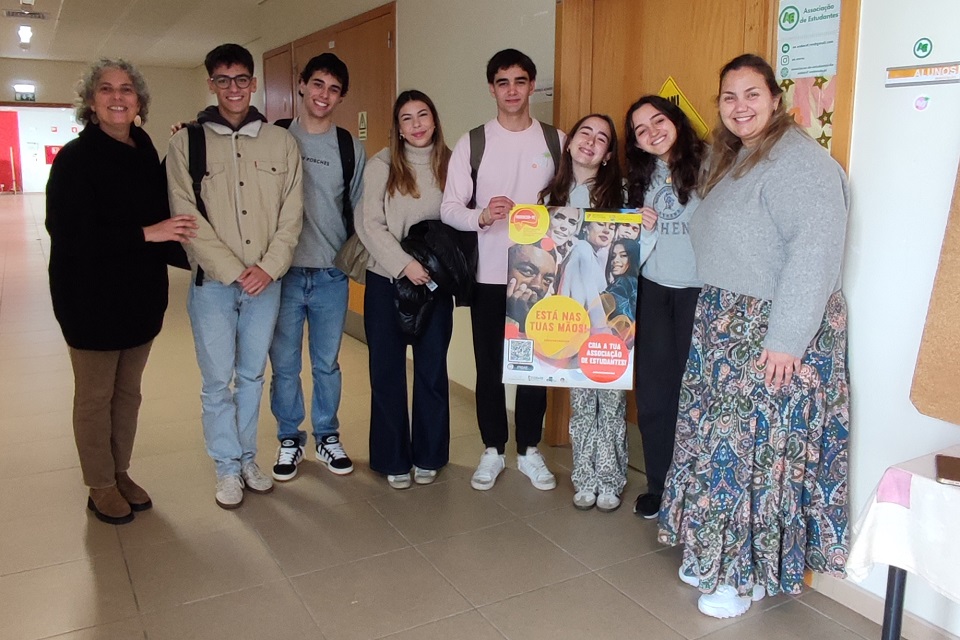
256, 481
229, 492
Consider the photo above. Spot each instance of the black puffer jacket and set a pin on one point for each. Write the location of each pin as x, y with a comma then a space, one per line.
434, 245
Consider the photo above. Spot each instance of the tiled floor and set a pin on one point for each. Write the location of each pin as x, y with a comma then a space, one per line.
323, 556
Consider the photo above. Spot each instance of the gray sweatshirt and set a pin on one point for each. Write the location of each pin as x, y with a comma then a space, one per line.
777, 234
672, 263
323, 191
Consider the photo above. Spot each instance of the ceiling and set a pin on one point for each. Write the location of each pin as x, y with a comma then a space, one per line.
170, 33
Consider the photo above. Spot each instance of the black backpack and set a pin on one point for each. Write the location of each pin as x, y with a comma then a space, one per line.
197, 166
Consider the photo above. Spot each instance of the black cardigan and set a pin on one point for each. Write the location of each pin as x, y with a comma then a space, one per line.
108, 285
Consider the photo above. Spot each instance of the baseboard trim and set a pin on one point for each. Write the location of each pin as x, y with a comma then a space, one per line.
870, 606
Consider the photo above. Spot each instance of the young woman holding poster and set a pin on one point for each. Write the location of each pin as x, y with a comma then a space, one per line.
664, 157
403, 185
757, 491
589, 176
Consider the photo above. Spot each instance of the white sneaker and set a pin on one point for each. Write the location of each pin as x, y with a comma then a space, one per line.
608, 501
584, 500
399, 481
424, 476
724, 603
229, 492
491, 465
534, 467
256, 481
687, 578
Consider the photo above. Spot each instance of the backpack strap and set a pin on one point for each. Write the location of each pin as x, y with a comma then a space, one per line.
197, 155
348, 162
552, 138
478, 141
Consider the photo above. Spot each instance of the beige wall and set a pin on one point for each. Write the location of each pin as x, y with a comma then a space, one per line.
175, 93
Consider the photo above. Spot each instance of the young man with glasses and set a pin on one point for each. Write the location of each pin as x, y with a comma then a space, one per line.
253, 195
314, 291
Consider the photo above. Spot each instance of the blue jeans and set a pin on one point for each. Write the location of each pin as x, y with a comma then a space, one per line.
231, 332
319, 297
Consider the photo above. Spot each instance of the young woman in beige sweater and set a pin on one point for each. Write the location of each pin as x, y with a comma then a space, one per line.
403, 185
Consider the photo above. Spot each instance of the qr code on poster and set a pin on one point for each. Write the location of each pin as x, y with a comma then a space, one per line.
520, 351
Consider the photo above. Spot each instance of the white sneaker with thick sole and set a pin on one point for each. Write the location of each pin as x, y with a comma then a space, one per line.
424, 476
491, 465
399, 481
229, 492
256, 481
534, 467
725, 603
686, 578
584, 500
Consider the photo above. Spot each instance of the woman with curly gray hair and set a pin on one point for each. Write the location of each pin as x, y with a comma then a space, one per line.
108, 220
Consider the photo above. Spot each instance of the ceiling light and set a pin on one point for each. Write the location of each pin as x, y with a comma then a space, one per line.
25, 88
25, 34
28, 3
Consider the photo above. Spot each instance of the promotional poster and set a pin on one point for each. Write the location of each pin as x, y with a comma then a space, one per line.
571, 297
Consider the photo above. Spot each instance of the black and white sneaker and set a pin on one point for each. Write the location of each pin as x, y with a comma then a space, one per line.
330, 452
289, 455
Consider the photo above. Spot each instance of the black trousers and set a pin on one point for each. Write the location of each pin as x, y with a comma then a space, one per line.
487, 315
396, 442
665, 324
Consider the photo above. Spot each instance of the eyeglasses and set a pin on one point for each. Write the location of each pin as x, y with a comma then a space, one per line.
223, 82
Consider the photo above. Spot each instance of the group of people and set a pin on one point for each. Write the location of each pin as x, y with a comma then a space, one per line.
741, 330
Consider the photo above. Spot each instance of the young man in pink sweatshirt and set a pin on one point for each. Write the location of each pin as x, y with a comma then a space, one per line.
515, 167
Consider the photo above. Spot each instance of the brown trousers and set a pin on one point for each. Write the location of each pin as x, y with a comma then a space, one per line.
106, 403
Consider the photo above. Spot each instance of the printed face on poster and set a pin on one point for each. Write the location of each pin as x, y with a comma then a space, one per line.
571, 297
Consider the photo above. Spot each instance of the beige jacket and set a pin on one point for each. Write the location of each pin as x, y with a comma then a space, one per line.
253, 192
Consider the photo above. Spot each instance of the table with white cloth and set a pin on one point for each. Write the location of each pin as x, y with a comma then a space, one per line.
911, 524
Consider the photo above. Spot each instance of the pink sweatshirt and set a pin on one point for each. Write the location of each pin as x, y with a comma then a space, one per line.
516, 164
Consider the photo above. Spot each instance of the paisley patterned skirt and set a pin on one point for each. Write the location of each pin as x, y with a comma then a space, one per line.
757, 490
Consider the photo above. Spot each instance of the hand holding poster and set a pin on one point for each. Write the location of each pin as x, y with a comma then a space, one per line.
571, 297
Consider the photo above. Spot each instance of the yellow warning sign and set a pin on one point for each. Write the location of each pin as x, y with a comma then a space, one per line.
671, 91
362, 125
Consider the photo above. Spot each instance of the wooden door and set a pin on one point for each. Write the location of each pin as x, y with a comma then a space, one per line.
611, 52
369, 51
279, 85
367, 45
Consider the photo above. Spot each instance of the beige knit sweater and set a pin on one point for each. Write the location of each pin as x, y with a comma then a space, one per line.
384, 220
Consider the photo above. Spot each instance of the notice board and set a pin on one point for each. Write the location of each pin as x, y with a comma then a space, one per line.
936, 379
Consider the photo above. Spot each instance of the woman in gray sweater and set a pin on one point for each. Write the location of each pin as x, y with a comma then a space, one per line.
757, 490
403, 185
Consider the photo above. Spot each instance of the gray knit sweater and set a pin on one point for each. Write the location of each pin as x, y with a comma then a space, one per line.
385, 220
777, 234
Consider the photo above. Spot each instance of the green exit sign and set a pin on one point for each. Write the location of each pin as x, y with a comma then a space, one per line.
22, 96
